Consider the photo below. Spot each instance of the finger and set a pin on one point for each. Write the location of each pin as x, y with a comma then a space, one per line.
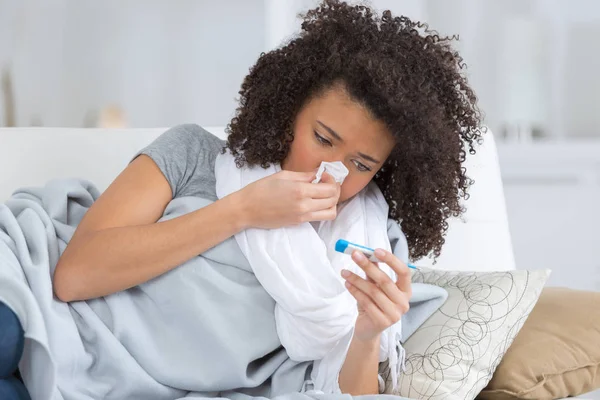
322, 215
401, 270
371, 269
306, 177
392, 311
320, 204
364, 302
380, 278
327, 178
321, 190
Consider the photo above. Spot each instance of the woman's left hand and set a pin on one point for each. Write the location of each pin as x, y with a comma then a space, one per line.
381, 301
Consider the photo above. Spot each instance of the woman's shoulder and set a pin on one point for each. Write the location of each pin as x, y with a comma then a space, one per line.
186, 156
193, 136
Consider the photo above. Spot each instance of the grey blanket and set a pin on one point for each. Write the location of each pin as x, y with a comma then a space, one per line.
203, 330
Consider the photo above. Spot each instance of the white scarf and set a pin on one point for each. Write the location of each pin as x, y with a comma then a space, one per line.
299, 267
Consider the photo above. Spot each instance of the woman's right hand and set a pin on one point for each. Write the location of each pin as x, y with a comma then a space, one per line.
289, 198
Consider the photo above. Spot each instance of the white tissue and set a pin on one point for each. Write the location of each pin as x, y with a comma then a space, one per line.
336, 169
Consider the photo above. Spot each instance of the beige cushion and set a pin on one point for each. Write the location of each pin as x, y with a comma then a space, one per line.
557, 352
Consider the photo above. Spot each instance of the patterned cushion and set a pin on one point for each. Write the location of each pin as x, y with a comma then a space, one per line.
455, 352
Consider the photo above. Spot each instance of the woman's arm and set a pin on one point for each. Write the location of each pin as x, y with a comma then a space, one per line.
359, 373
381, 303
119, 243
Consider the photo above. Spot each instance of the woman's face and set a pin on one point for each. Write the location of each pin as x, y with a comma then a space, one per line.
333, 127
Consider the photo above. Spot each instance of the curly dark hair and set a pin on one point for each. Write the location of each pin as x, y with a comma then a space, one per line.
406, 75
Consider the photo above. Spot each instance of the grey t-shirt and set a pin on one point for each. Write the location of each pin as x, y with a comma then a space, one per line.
186, 156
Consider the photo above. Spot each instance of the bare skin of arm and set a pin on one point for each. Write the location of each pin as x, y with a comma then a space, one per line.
118, 245
381, 303
359, 373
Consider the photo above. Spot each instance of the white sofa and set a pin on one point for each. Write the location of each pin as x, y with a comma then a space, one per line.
31, 156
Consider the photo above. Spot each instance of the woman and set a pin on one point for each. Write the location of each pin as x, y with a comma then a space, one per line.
384, 95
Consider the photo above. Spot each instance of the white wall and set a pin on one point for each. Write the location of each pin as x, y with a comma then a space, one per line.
164, 62
552, 195
555, 226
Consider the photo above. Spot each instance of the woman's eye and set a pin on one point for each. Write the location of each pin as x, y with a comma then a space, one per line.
361, 167
322, 140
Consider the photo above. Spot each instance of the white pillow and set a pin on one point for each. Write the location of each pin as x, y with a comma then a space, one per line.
455, 352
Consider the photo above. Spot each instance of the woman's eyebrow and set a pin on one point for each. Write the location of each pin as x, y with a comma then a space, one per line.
369, 158
331, 131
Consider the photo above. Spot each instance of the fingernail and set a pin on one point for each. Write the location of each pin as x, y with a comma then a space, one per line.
345, 273
348, 284
379, 253
358, 256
